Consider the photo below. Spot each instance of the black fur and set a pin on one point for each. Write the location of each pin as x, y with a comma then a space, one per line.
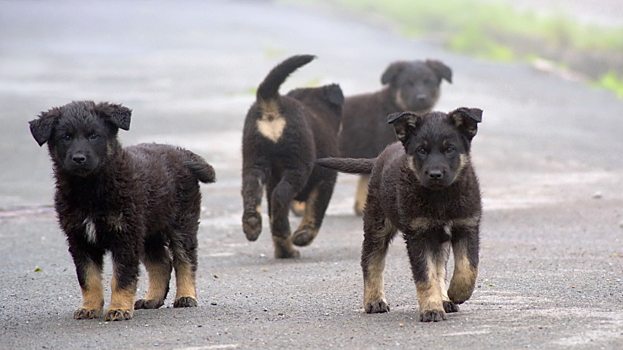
282, 137
425, 187
410, 86
134, 202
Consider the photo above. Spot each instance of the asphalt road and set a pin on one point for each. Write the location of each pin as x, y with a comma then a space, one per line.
548, 155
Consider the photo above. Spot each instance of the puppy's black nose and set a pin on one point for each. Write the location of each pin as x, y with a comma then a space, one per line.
79, 158
435, 175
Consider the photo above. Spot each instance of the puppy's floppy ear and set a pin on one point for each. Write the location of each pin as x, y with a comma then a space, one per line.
118, 115
41, 128
440, 69
404, 123
334, 94
392, 72
466, 120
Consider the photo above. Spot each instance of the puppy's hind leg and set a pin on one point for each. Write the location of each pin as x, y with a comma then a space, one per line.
315, 208
252, 183
361, 194
280, 198
184, 251
157, 261
378, 233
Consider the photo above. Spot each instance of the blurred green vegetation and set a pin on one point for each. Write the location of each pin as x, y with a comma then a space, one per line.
498, 31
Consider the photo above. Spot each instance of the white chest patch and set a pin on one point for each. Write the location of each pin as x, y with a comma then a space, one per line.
89, 231
271, 127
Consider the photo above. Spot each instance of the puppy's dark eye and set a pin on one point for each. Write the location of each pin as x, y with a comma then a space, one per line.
422, 151
450, 150
66, 137
93, 136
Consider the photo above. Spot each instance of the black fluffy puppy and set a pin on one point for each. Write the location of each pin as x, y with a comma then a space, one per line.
409, 86
134, 202
282, 137
425, 187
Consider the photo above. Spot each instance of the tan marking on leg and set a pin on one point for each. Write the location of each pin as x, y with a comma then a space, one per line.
361, 194
373, 285
441, 262
93, 292
309, 218
429, 293
185, 281
121, 299
159, 277
463, 278
259, 209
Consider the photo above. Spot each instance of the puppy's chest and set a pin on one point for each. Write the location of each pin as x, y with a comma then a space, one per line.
99, 229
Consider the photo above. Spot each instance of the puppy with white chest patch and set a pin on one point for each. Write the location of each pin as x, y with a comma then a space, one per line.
140, 203
282, 137
424, 186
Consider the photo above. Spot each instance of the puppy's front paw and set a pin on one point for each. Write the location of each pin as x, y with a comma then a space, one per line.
432, 315
303, 237
148, 304
449, 307
377, 306
85, 314
119, 314
252, 225
186, 302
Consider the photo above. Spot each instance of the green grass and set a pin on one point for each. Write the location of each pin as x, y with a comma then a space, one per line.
497, 31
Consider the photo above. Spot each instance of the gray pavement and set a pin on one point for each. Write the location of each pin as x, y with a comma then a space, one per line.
548, 155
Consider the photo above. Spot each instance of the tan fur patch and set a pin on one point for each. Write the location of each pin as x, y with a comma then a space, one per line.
272, 123
93, 293
159, 276
429, 293
121, 299
309, 219
362, 193
442, 259
411, 164
400, 102
185, 281
373, 285
463, 278
421, 224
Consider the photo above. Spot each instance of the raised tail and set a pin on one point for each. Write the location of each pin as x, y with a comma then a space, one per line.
348, 165
269, 88
203, 171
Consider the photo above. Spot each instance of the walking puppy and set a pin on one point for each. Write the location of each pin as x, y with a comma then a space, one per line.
425, 187
411, 86
282, 137
134, 202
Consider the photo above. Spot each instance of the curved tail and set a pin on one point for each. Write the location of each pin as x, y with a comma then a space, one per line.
348, 165
269, 88
203, 171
